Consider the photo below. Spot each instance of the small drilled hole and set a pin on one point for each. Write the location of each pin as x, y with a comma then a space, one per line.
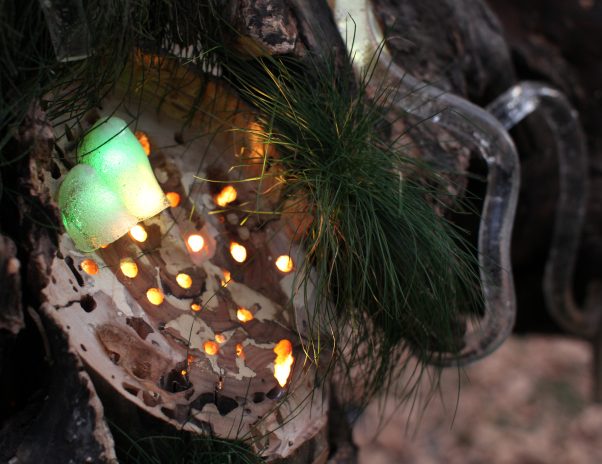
169, 413
276, 393
88, 303
258, 397
83, 347
149, 399
56, 171
130, 389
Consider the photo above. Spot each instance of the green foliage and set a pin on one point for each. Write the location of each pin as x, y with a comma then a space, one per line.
184, 449
393, 273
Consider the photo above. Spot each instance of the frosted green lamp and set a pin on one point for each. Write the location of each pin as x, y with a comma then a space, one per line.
119, 159
93, 213
111, 190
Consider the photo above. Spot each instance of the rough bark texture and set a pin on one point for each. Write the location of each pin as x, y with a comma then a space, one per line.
62, 421
457, 44
11, 316
69, 425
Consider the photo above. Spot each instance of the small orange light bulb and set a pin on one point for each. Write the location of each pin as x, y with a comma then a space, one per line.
226, 276
239, 351
143, 139
155, 296
244, 315
283, 362
173, 198
284, 263
239, 252
219, 338
138, 233
184, 280
89, 267
195, 307
211, 348
196, 242
227, 195
128, 267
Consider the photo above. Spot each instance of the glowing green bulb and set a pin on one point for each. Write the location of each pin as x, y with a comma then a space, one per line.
113, 151
93, 213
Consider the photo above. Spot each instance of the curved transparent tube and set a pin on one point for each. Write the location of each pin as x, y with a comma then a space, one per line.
474, 126
510, 108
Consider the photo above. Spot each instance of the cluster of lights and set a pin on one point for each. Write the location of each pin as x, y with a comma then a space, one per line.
283, 350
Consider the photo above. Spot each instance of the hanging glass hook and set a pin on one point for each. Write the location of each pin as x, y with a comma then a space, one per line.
475, 127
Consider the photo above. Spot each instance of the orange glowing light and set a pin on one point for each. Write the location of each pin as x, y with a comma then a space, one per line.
143, 139
155, 296
183, 373
227, 195
244, 315
226, 276
184, 280
196, 242
283, 362
89, 267
128, 267
173, 198
239, 252
195, 307
284, 263
106, 246
219, 338
138, 233
239, 351
211, 348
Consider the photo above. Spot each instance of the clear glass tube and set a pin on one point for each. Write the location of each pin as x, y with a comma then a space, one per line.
476, 128
563, 121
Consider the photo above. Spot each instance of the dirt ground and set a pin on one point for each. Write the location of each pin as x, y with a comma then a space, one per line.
528, 403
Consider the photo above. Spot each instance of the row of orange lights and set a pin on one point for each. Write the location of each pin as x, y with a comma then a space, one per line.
155, 296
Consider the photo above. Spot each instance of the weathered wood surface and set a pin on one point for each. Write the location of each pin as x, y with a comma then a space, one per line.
11, 315
63, 420
153, 355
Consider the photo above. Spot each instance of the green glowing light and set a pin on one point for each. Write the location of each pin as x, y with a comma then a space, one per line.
93, 213
114, 152
111, 190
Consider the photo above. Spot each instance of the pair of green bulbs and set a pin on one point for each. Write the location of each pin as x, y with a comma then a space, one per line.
111, 189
